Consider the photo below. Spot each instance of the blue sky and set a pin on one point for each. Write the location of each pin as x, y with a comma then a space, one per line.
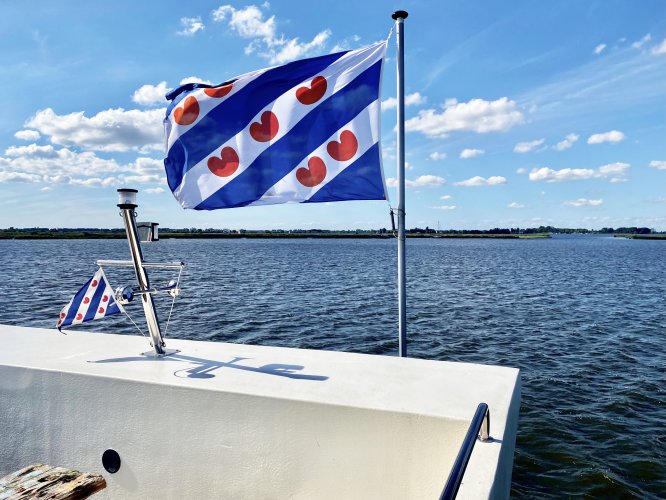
520, 113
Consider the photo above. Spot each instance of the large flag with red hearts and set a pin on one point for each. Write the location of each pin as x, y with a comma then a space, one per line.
94, 300
304, 132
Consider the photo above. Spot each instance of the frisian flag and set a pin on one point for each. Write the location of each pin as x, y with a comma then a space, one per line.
94, 300
304, 132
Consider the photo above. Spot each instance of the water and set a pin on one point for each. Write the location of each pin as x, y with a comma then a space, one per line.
584, 318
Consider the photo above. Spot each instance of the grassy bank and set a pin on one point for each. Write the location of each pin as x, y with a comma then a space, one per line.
642, 236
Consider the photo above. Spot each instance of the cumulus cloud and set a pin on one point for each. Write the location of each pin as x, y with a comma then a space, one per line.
445, 197
194, 79
584, 202
157, 190
612, 136
659, 48
471, 153
18, 177
421, 181
568, 141
476, 115
113, 130
614, 172
50, 165
436, 156
521, 170
410, 100
658, 164
494, 180
249, 23
526, 147
515, 205
639, 43
27, 135
190, 25
445, 207
599, 48
148, 95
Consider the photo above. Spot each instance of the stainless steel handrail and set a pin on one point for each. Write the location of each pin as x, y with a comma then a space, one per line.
129, 263
479, 428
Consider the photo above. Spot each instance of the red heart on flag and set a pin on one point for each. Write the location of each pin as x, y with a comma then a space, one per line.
86, 300
105, 298
267, 129
79, 316
100, 310
94, 283
62, 315
314, 174
219, 91
226, 165
188, 113
345, 149
316, 91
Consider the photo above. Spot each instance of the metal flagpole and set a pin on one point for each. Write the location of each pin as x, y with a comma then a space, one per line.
399, 16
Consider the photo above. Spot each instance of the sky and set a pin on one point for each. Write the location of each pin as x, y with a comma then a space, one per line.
518, 114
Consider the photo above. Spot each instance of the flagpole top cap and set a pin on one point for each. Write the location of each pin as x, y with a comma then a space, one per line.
399, 14
127, 198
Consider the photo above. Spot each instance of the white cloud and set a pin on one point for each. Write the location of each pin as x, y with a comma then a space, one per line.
249, 23
445, 197
19, 177
526, 147
48, 165
345, 44
521, 170
410, 100
445, 207
568, 141
477, 115
599, 48
612, 136
659, 48
615, 172
27, 135
421, 181
436, 156
148, 95
471, 153
194, 79
494, 180
584, 202
291, 49
658, 164
515, 205
113, 130
639, 44
157, 190
190, 25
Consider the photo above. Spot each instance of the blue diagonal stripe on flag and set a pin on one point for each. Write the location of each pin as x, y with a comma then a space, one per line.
280, 135
94, 300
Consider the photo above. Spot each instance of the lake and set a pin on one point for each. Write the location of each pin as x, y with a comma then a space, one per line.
583, 317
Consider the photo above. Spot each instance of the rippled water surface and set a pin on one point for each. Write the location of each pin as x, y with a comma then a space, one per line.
584, 318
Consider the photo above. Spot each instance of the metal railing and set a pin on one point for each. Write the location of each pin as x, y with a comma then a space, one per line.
479, 428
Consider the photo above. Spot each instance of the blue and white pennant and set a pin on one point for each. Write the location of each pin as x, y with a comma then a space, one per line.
95, 300
307, 131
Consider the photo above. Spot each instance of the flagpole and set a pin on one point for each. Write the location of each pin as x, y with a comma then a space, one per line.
399, 16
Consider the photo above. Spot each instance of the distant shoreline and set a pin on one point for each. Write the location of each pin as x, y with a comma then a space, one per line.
84, 235
119, 234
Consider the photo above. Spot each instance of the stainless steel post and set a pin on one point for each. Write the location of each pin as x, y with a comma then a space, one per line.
127, 212
399, 16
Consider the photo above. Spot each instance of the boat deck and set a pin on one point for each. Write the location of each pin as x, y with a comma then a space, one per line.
230, 420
